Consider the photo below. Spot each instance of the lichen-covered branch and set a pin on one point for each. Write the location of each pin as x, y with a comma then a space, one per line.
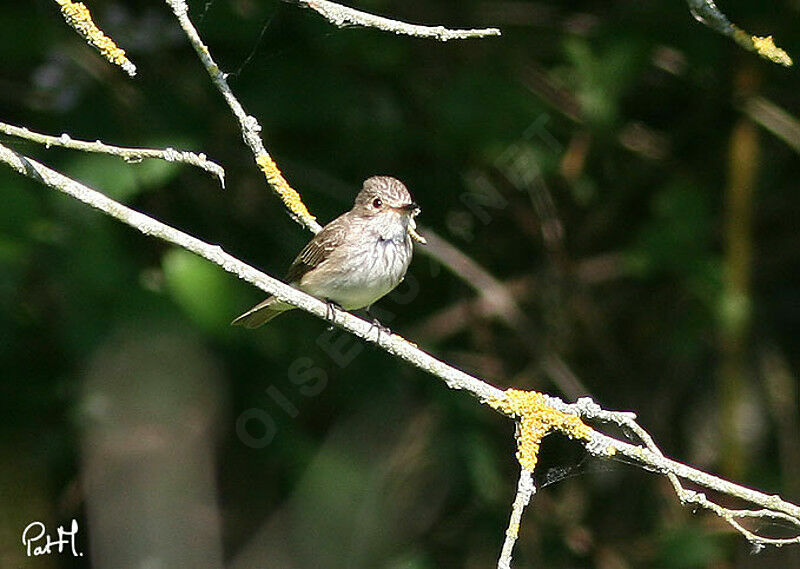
249, 125
251, 129
392, 343
706, 12
128, 154
342, 16
77, 15
521, 405
537, 419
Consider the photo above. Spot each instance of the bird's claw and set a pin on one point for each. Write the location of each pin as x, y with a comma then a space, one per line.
380, 328
330, 313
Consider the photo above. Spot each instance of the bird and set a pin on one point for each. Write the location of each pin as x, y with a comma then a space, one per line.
357, 258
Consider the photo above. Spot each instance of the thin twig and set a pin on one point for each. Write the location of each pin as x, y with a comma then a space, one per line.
526, 488
343, 16
775, 119
499, 301
598, 443
131, 155
706, 12
249, 125
491, 290
690, 497
588, 409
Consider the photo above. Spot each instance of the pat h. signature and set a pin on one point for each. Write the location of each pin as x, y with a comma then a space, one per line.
37, 542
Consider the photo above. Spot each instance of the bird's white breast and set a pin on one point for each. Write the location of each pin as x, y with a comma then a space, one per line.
365, 275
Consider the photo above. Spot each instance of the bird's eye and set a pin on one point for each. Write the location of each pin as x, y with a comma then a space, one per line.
377, 203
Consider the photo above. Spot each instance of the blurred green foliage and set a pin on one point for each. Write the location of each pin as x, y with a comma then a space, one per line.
610, 120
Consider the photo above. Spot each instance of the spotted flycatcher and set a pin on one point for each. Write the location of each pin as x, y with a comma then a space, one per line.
357, 258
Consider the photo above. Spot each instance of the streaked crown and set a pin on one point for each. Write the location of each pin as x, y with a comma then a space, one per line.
390, 191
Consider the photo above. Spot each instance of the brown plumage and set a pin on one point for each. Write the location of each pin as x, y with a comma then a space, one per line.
357, 258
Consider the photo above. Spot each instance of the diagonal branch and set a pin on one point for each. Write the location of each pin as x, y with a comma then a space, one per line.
342, 16
251, 129
249, 125
533, 426
498, 300
77, 15
706, 12
777, 508
394, 344
126, 153
590, 410
595, 442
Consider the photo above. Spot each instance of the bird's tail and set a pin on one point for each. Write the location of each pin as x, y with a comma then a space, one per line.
262, 313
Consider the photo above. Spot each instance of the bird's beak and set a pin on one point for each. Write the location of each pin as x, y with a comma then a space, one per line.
410, 207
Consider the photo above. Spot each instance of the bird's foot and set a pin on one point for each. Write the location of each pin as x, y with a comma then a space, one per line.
330, 312
377, 325
380, 328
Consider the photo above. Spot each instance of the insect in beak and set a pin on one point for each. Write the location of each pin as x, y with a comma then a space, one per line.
412, 224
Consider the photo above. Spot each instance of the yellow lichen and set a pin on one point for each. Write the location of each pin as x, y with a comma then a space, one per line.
537, 419
77, 15
278, 183
767, 48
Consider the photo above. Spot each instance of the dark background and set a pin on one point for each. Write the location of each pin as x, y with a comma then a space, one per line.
602, 159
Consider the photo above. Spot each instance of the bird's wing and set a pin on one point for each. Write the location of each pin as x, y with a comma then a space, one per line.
318, 249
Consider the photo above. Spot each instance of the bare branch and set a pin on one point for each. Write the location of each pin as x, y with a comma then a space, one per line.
498, 300
249, 125
343, 16
776, 509
492, 291
526, 488
775, 119
131, 155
